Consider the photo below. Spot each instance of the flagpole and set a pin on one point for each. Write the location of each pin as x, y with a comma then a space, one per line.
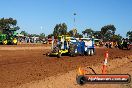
74, 20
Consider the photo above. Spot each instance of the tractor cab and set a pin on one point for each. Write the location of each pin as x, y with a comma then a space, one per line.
61, 47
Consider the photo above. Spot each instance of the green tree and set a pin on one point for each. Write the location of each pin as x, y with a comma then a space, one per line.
116, 38
8, 24
97, 34
107, 28
24, 33
34, 35
107, 32
79, 35
50, 35
60, 29
129, 35
63, 29
72, 32
42, 35
89, 32
56, 30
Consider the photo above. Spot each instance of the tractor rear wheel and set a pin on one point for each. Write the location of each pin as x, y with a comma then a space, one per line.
14, 42
72, 54
4, 42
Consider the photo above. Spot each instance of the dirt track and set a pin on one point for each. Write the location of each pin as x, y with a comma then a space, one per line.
68, 80
25, 65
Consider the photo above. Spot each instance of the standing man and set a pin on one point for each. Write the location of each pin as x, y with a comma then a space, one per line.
82, 47
65, 45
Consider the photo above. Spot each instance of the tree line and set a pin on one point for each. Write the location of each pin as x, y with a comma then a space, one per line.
106, 33
41, 35
7, 24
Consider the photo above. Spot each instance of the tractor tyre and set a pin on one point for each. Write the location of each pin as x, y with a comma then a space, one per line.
4, 42
72, 54
59, 55
81, 80
14, 43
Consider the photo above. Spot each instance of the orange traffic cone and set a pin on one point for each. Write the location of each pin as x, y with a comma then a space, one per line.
104, 69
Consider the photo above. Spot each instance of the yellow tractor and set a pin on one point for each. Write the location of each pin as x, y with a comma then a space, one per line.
61, 47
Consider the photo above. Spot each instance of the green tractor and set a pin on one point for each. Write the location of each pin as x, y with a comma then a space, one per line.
8, 38
3, 39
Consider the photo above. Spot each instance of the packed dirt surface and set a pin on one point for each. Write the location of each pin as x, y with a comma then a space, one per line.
25, 47
68, 80
22, 64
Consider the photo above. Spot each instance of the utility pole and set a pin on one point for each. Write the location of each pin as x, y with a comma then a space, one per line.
74, 20
74, 28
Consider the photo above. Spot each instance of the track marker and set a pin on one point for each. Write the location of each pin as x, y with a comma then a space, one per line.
104, 70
